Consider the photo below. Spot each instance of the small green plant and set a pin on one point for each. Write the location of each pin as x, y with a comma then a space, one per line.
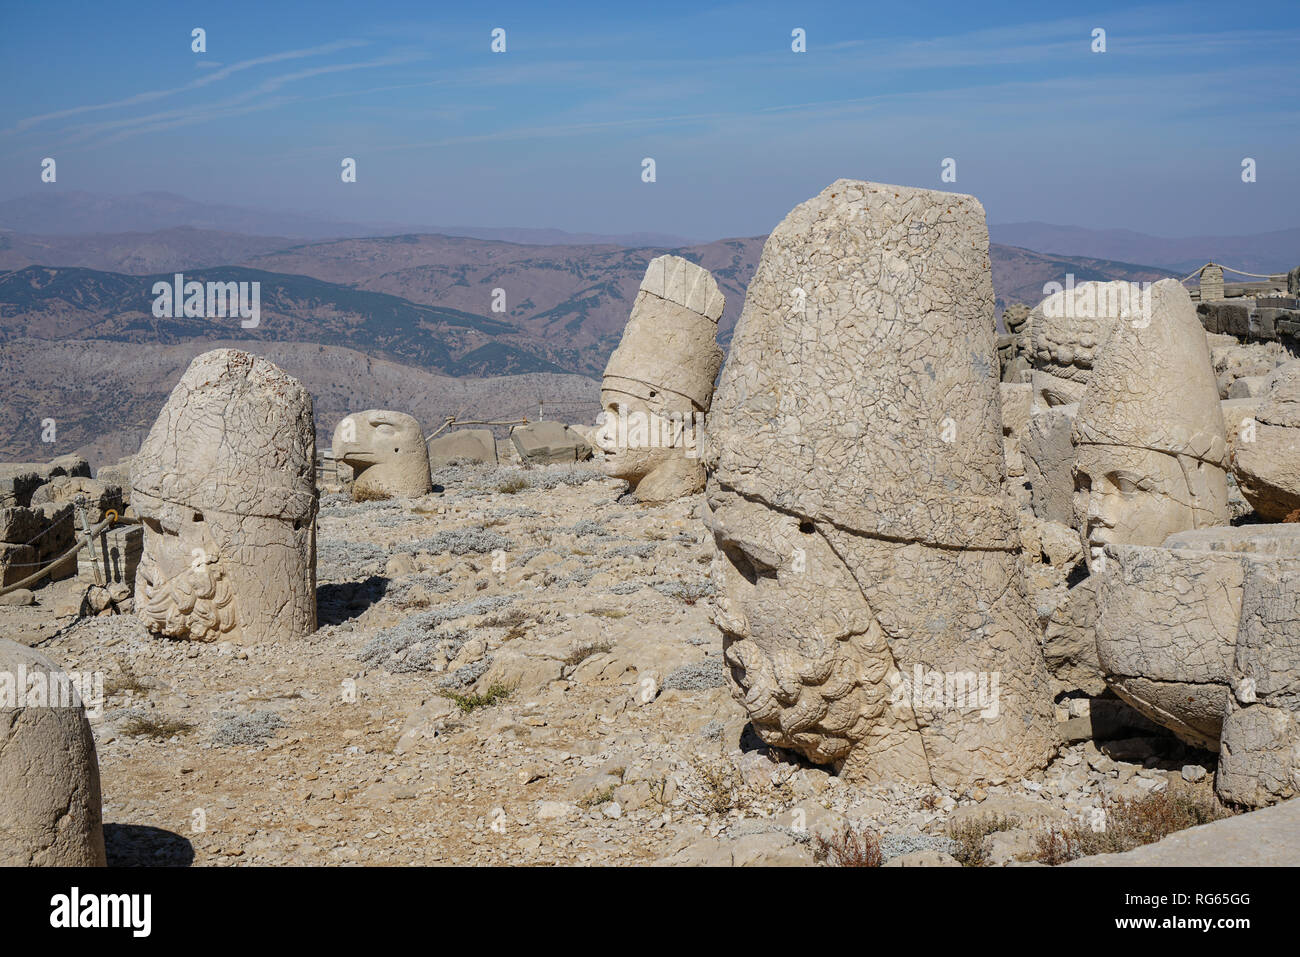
142, 726
848, 848
495, 694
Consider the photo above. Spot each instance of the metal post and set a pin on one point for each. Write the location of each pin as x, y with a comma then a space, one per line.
80, 505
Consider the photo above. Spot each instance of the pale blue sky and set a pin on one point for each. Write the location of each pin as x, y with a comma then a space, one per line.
1148, 136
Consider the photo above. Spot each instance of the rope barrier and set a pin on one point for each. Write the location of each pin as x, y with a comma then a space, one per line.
91, 534
1274, 276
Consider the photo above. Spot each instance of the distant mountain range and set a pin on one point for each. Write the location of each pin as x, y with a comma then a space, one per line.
75, 212
79, 341
1267, 253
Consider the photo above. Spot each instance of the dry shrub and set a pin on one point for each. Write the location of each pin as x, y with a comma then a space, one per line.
1130, 823
369, 495
848, 848
970, 835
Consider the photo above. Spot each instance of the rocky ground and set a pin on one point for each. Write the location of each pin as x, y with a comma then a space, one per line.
519, 668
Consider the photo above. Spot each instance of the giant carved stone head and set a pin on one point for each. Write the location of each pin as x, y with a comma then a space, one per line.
386, 451
659, 382
225, 486
867, 555
1150, 447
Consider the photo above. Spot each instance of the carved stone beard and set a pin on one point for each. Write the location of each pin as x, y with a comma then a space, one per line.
198, 604
807, 658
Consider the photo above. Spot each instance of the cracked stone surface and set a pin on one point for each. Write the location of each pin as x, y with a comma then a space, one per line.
1203, 636
856, 488
658, 383
49, 775
1151, 452
1266, 461
225, 486
1067, 332
386, 452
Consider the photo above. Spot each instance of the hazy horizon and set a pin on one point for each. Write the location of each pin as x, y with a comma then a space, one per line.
1148, 136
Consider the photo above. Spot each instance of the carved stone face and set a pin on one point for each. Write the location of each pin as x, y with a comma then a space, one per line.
183, 589
386, 450
641, 431
807, 657
1132, 496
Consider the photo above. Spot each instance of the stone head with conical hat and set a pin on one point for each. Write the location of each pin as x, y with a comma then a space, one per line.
225, 486
659, 382
867, 556
1149, 438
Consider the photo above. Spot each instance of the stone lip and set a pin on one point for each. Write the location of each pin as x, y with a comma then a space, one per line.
1264, 838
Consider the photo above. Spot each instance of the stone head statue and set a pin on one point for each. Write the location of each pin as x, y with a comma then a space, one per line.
1151, 453
225, 486
659, 382
1067, 331
386, 451
866, 560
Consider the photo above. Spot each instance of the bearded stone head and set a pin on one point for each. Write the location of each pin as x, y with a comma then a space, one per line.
1150, 446
1067, 332
867, 555
659, 382
386, 451
225, 487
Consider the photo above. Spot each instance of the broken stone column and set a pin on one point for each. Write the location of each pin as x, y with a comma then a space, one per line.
1151, 452
386, 452
867, 558
225, 486
50, 812
659, 382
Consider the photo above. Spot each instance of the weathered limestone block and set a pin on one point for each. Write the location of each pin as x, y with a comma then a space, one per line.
1236, 413
464, 445
386, 452
1234, 360
1048, 457
119, 475
225, 485
99, 497
50, 812
1268, 468
868, 560
1070, 642
1166, 634
117, 554
17, 483
1248, 387
1211, 283
1203, 637
1150, 449
1015, 421
546, 443
16, 562
659, 382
